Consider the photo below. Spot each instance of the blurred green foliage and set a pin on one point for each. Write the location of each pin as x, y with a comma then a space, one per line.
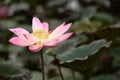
92, 53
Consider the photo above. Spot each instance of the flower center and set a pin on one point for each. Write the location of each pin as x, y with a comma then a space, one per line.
40, 34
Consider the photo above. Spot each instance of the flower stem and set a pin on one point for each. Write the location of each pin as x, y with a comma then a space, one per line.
42, 64
60, 71
59, 68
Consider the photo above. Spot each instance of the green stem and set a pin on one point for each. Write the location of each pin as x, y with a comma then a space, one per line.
59, 68
60, 71
42, 64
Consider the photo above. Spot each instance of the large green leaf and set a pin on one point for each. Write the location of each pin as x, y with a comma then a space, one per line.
83, 57
82, 52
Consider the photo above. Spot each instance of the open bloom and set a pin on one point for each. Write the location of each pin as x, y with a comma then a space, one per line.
41, 36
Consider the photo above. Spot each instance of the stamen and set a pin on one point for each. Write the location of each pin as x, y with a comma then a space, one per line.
41, 34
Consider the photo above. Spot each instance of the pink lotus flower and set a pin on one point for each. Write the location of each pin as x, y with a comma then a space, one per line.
40, 36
